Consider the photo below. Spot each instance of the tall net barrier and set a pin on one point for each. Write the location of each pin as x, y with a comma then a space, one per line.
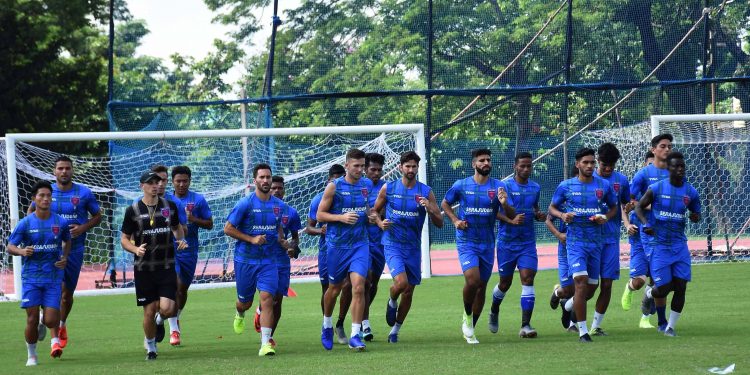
6, 273
221, 171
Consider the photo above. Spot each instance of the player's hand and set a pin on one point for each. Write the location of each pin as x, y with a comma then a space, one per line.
562, 237
349, 218
630, 206
27, 251
632, 229
599, 219
60, 264
424, 202
182, 244
461, 224
141, 250
258, 240
75, 230
385, 224
648, 230
502, 195
694, 217
518, 220
323, 230
540, 216
372, 217
568, 217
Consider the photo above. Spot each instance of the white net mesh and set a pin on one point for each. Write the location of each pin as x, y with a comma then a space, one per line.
717, 156
218, 173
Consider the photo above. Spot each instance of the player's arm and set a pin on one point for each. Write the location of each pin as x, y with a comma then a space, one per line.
631, 228
539, 215
130, 246
553, 229
66, 246
326, 202
505, 203
77, 230
22, 252
695, 207
458, 223
433, 211
640, 209
376, 212
232, 231
312, 228
207, 223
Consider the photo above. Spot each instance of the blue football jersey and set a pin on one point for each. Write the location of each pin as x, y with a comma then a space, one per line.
289, 223
478, 206
373, 231
584, 200
348, 198
670, 205
314, 216
621, 189
406, 215
46, 237
74, 205
644, 178
255, 217
198, 207
524, 198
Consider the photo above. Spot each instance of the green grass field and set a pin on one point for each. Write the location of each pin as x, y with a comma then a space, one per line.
106, 336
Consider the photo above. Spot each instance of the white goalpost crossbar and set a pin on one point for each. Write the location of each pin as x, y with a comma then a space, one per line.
417, 130
656, 120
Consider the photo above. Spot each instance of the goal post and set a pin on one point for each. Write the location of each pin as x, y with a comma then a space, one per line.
217, 155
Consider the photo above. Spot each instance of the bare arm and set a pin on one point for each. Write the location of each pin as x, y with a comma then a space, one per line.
312, 228
553, 229
458, 223
130, 247
325, 205
179, 236
15, 250
433, 211
77, 230
564, 216
201, 223
645, 202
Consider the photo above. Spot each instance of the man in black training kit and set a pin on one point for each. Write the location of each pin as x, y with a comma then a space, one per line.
152, 221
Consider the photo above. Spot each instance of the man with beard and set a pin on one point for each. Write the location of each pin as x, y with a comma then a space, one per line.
407, 202
670, 261
579, 203
479, 197
516, 244
255, 222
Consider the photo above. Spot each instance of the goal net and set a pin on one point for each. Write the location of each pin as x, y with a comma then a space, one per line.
717, 152
221, 162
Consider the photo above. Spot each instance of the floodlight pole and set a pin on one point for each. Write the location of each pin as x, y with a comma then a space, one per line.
568, 60
269, 80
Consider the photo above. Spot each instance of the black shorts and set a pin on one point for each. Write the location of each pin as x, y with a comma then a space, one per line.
152, 285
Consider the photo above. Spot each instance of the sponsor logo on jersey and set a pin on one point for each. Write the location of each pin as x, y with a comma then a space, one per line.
406, 213
685, 200
671, 215
478, 210
165, 212
75, 200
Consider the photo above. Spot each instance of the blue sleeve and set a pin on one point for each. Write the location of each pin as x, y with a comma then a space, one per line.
624, 191
558, 198
695, 201
65, 230
454, 193
16, 238
238, 212
92, 206
295, 223
204, 211
611, 196
313, 214
181, 214
638, 186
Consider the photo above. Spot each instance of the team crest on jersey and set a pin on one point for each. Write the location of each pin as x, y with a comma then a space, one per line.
364, 193
165, 212
685, 200
417, 198
276, 210
491, 194
599, 194
285, 219
190, 206
616, 186
55, 230
75, 200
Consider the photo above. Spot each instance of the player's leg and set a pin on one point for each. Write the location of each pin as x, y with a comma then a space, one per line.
377, 264
70, 282
337, 260
268, 285
278, 299
149, 328
661, 274
358, 268
486, 261
397, 265
506, 264
610, 270
323, 275
166, 284
31, 299
580, 262
246, 280
638, 266
51, 297
185, 263
527, 263
681, 275
345, 301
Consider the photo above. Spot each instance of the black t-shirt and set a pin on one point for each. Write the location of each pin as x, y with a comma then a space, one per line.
153, 226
